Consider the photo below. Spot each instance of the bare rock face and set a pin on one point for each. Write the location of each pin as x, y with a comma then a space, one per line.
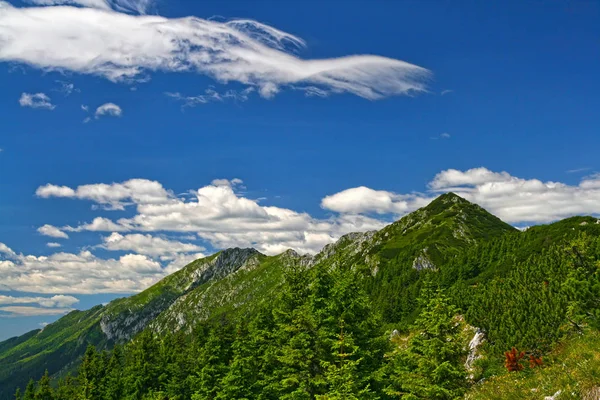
423, 262
136, 314
474, 355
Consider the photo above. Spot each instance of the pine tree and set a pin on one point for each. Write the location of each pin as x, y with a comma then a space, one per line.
18, 394
213, 362
342, 376
44, 390
66, 389
583, 283
113, 380
431, 367
91, 374
29, 391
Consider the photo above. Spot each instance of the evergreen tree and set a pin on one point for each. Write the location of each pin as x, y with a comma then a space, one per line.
66, 389
213, 361
44, 390
91, 374
345, 382
583, 283
113, 381
29, 391
431, 367
241, 377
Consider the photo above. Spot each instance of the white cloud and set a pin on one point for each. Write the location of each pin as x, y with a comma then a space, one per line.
211, 95
132, 6
225, 218
52, 231
441, 136
66, 88
514, 200
108, 109
122, 47
148, 245
215, 213
37, 100
81, 273
53, 245
362, 199
49, 302
28, 311
112, 196
578, 170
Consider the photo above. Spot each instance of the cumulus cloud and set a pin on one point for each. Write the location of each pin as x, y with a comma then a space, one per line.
52, 231
113, 196
37, 100
53, 245
362, 200
81, 273
149, 245
215, 213
49, 302
108, 109
99, 40
513, 199
28, 311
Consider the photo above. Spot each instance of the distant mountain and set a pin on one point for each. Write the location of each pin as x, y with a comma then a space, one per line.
234, 281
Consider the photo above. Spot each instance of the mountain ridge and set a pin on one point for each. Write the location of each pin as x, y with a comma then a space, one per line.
237, 280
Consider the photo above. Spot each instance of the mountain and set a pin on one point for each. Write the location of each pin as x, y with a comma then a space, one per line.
232, 282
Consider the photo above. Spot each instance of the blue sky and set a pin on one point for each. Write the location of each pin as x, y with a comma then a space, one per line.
498, 102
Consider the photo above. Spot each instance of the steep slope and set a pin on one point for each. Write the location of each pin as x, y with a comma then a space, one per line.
60, 344
236, 280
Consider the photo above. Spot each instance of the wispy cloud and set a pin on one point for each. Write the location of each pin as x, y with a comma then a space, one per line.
210, 95
129, 6
244, 51
445, 92
66, 88
35, 100
442, 136
577, 170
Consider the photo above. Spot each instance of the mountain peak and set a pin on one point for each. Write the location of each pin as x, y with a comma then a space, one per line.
449, 198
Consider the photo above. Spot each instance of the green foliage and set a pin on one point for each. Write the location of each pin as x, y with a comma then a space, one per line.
431, 367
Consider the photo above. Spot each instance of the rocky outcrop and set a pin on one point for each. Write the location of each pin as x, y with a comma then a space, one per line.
474, 354
423, 262
125, 318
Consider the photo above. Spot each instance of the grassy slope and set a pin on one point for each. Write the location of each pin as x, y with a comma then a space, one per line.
573, 368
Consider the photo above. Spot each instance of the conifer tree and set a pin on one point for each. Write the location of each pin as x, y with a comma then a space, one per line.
431, 367
213, 361
113, 381
29, 391
343, 377
44, 390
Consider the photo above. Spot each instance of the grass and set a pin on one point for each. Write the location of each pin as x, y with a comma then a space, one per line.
573, 368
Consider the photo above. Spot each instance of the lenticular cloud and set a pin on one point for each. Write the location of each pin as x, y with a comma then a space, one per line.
105, 42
